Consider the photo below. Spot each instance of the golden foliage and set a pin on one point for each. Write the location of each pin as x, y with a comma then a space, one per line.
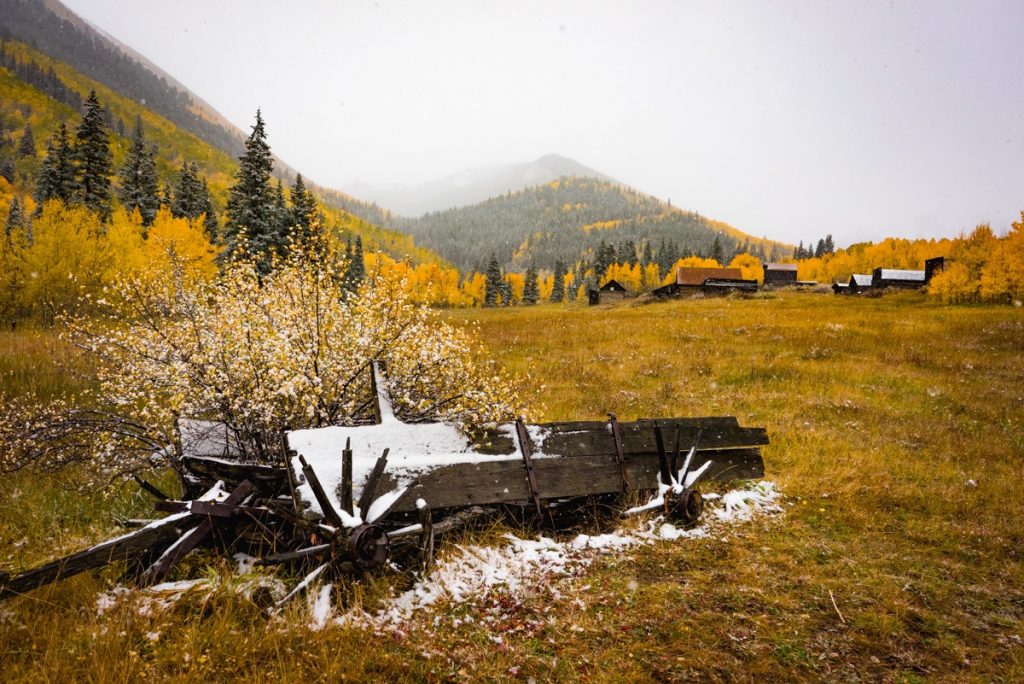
67, 258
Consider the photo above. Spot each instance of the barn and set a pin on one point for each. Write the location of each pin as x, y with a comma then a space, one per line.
612, 291
689, 281
859, 282
779, 275
900, 278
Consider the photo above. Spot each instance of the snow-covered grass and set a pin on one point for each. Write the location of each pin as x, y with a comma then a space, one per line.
521, 566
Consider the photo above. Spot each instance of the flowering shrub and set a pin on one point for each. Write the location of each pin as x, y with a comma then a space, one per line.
260, 354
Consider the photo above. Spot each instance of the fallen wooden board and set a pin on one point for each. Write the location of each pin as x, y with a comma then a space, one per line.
493, 482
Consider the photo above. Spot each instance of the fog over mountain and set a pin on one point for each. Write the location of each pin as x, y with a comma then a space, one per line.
470, 186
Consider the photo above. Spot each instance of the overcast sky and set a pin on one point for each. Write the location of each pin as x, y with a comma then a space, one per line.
791, 120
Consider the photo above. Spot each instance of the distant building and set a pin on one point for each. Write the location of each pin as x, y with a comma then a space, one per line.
933, 266
841, 288
690, 281
612, 291
859, 282
779, 275
901, 278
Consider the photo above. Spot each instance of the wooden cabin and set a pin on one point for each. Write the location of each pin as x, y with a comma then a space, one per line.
779, 275
859, 282
900, 278
689, 281
840, 288
612, 291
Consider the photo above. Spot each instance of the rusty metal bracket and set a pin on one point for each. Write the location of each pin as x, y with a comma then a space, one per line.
620, 457
531, 478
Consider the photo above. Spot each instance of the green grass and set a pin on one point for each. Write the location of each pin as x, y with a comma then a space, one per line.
879, 412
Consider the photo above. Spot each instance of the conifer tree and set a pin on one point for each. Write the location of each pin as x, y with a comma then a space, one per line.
283, 223
356, 272
493, 282
15, 220
717, 253
209, 214
93, 159
358, 264
531, 290
57, 176
187, 201
27, 146
251, 202
558, 288
140, 187
506, 292
192, 199
303, 209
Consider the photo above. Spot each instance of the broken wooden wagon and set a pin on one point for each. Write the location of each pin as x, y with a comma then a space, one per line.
351, 499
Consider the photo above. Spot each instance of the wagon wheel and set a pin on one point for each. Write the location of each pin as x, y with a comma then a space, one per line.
686, 507
334, 549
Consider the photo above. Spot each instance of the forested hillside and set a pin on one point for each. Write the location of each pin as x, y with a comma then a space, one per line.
80, 46
569, 219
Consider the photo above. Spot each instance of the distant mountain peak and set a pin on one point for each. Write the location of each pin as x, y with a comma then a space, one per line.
470, 186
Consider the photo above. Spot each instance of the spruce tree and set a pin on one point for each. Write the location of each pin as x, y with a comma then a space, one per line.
830, 247
356, 272
251, 201
717, 253
188, 200
284, 226
140, 187
93, 159
531, 291
56, 178
303, 209
558, 288
209, 214
27, 146
15, 220
358, 265
493, 282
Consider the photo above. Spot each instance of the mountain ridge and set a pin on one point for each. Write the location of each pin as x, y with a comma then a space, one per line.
469, 186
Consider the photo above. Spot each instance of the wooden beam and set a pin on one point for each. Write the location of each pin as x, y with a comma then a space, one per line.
369, 492
330, 515
119, 549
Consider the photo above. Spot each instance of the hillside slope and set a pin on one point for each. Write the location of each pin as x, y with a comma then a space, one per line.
567, 220
58, 32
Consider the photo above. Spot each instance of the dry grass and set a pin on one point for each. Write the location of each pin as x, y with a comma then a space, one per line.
880, 412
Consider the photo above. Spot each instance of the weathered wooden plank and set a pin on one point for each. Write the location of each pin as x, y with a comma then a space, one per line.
587, 437
326, 507
269, 481
370, 487
491, 482
121, 548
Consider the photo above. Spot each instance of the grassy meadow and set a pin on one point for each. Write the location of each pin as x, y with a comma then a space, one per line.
897, 430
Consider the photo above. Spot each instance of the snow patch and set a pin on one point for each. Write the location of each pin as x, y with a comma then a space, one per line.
523, 566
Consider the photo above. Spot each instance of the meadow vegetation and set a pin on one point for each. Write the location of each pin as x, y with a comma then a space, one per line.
897, 428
